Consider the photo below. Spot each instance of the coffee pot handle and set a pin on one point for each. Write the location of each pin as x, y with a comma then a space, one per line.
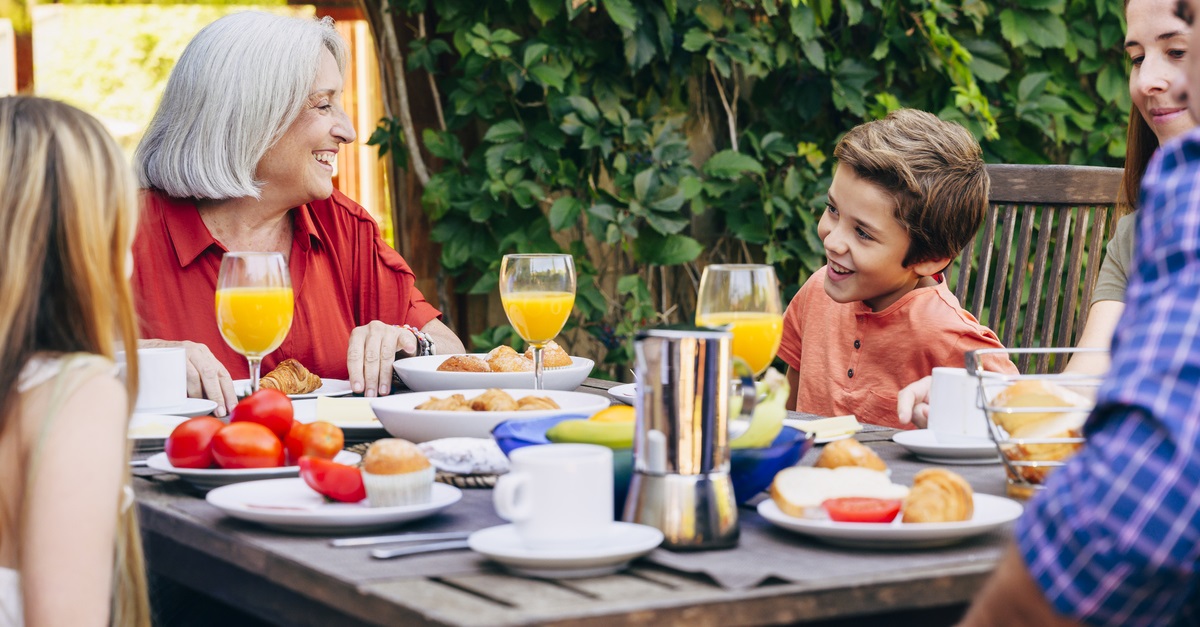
740, 423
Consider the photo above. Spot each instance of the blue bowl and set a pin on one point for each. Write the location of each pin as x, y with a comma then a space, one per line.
752, 469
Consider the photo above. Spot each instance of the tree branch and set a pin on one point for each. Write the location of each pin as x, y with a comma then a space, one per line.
433, 90
392, 47
730, 112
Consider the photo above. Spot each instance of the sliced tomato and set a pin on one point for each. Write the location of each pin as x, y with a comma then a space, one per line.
862, 510
337, 481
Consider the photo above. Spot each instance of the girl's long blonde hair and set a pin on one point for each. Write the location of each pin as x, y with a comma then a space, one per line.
67, 217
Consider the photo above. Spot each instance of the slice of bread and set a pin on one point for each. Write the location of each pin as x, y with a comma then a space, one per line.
800, 490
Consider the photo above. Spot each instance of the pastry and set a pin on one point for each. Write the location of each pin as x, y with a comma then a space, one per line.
290, 377
1036, 461
553, 356
849, 453
1036, 393
493, 400
938, 495
535, 403
457, 402
510, 362
395, 472
464, 363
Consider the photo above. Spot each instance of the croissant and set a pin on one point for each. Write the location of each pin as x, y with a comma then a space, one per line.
534, 403
939, 495
457, 402
493, 400
290, 377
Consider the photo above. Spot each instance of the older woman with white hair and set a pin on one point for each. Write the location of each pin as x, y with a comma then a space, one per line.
240, 157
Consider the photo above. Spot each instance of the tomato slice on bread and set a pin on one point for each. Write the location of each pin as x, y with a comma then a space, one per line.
862, 510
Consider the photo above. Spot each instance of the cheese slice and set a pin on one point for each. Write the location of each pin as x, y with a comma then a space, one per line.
829, 427
345, 411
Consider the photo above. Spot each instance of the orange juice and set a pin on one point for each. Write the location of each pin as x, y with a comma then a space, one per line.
254, 320
756, 335
538, 316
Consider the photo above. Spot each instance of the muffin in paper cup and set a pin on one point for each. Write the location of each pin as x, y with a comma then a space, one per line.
396, 473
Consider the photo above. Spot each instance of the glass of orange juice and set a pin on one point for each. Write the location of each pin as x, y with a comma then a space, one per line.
538, 293
744, 298
254, 305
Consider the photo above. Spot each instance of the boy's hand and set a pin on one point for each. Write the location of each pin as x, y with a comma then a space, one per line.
912, 403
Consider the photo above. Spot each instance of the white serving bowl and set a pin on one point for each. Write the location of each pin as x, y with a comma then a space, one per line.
399, 417
421, 374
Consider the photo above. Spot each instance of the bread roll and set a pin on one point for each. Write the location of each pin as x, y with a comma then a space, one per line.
553, 356
849, 452
464, 363
939, 495
1036, 393
799, 491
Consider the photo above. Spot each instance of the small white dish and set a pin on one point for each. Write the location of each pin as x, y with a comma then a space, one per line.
623, 393
929, 446
290, 505
329, 387
623, 543
208, 478
305, 410
402, 420
420, 374
190, 408
990, 512
149, 432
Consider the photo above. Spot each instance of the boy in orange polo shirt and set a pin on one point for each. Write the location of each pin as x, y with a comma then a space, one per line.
908, 192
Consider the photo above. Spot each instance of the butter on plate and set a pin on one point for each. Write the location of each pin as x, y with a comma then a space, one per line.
345, 411
828, 427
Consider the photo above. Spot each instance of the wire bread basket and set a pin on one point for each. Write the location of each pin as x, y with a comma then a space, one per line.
1035, 420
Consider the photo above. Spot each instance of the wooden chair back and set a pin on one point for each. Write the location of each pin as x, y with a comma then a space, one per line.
1029, 273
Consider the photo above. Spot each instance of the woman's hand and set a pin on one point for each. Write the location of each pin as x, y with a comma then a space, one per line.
912, 403
372, 350
206, 377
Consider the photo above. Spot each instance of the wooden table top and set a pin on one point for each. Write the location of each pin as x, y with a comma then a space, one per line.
297, 580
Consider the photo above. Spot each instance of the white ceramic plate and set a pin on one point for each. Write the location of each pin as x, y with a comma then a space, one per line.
149, 432
990, 512
290, 505
421, 374
190, 408
623, 393
329, 387
941, 448
623, 543
399, 417
209, 478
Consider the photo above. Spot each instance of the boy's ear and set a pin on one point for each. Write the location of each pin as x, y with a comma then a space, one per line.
931, 267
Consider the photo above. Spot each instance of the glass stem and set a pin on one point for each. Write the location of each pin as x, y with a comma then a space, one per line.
537, 367
255, 368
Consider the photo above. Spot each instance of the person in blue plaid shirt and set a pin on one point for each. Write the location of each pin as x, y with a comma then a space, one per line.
1115, 537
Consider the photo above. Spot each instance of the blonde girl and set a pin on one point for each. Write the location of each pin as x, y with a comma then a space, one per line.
70, 553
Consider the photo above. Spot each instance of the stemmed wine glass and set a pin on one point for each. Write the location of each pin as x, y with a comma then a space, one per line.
538, 292
744, 297
254, 305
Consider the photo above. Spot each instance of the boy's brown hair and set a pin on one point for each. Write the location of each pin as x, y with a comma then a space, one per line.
933, 169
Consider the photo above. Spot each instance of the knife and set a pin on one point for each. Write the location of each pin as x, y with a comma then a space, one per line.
403, 537
383, 554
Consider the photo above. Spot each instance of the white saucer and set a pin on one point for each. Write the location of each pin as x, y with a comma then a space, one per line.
623, 393
956, 450
149, 432
190, 409
329, 387
623, 543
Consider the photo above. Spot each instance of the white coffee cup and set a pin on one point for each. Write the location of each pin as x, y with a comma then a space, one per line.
558, 495
162, 378
954, 410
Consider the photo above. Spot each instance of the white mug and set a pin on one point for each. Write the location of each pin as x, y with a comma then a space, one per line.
558, 495
954, 411
162, 378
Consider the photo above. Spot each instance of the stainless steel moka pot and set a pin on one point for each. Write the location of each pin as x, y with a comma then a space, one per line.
681, 481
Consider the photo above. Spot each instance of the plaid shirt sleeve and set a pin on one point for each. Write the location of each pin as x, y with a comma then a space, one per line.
1115, 537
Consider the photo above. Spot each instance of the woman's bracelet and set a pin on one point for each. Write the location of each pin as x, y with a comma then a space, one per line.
424, 342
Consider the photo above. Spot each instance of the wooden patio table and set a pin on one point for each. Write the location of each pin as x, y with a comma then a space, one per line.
295, 579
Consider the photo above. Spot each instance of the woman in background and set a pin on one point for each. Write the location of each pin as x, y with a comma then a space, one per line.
70, 552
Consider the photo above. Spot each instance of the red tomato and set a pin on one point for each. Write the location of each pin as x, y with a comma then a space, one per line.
863, 510
247, 445
269, 408
316, 439
337, 481
190, 444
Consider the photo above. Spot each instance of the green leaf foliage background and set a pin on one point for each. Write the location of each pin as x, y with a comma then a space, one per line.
648, 138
